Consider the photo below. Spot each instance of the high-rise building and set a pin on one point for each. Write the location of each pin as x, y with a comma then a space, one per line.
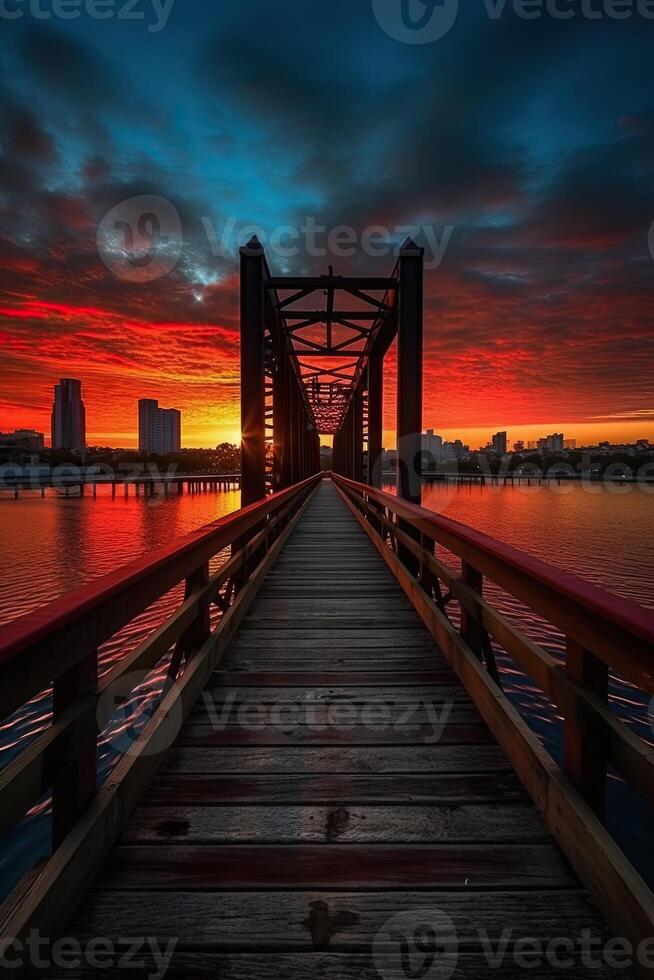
550, 444
500, 442
433, 445
68, 416
160, 429
556, 442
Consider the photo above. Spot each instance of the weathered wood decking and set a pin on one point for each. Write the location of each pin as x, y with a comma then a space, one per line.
349, 779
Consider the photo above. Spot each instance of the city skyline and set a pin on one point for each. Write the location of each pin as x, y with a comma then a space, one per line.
160, 433
589, 433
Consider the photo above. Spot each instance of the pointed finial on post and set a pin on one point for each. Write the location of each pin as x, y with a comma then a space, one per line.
253, 248
411, 248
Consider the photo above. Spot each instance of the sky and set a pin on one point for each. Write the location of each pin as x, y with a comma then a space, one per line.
519, 152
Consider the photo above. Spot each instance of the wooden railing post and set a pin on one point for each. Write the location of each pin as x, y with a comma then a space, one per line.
74, 788
472, 630
425, 575
376, 522
586, 739
253, 374
193, 638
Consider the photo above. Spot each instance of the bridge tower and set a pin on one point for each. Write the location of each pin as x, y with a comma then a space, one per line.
307, 372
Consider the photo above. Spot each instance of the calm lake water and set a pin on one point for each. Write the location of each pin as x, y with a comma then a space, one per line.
52, 546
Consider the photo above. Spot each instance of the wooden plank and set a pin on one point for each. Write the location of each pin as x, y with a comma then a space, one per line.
287, 920
467, 866
500, 823
351, 759
367, 694
335, 638
344, 589
267, 608
338, 714
309, 679
296, 661
365, 621
240, 965
341, 789
474, 733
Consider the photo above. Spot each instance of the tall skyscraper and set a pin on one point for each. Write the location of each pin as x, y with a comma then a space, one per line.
160, 429
68, 416
556, 442
432, 444
500, 441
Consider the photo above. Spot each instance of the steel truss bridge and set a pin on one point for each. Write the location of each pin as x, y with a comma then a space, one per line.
311, 765
312, 358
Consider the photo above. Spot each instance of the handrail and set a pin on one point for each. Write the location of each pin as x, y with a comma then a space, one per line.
102, 607
602, 631
58, 646
622, 632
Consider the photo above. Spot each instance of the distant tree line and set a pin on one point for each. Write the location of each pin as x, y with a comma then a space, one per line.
225, 458
578, 460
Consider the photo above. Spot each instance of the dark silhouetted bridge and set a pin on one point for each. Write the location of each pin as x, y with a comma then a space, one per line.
332, 782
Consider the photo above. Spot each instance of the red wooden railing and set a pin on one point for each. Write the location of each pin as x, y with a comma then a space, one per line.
603, 633
57, 647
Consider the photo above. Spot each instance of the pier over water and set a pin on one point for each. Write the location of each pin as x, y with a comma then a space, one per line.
331, 780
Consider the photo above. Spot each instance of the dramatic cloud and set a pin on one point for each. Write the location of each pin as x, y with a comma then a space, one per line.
533, 141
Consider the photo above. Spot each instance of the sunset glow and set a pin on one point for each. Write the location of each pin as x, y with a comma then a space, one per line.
538, 317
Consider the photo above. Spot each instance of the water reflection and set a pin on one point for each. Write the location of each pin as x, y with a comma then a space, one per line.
52, 546
602, 533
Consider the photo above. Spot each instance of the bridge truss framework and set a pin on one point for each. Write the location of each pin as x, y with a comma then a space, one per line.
312, 364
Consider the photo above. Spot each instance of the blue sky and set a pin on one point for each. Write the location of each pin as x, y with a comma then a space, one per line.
532, 140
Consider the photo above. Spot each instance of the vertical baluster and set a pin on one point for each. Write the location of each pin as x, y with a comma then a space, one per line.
74, 787
586, 739
472, 630
425, 575
195, 635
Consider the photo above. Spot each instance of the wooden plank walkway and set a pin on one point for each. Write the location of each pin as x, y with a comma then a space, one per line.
335, 791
